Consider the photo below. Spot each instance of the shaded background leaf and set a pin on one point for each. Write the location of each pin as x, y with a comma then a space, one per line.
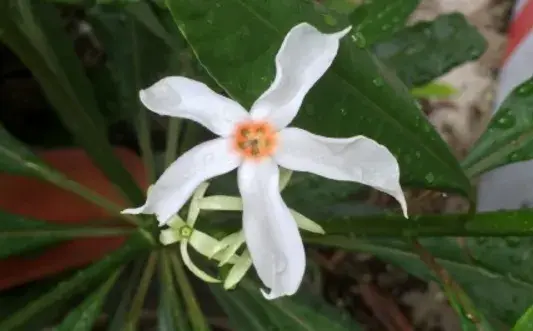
423, 52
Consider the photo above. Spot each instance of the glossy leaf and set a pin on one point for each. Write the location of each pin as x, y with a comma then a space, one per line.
357, 95
378, 19
495, 273
33, 31
83, 317
248, 310
427, 50
525, 323
509, 136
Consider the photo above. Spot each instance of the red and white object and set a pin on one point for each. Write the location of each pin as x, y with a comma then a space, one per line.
511, 186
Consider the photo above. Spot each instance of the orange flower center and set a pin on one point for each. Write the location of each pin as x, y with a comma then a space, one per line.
255, 140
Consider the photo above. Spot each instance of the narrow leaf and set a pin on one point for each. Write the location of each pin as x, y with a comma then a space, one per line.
138, 242
83, 317
509, 136
34, 32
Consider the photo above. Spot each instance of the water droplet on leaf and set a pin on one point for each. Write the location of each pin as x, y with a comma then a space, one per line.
507, 121
359, 39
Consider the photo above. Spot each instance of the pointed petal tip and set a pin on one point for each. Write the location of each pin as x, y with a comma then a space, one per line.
133, 211
343, 32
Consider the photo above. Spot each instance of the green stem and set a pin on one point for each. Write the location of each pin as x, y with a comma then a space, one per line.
196, 316
173, 132
138, 299
497, 224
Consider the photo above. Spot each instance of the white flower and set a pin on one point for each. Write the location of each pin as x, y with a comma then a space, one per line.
259, 141
185, 233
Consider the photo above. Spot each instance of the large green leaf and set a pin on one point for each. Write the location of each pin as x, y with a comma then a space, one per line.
378, 19
427, 50
138, 242
495, 273
19, 234
248, 310
509, 137
83, 317
356, 96
525, 323
34, 32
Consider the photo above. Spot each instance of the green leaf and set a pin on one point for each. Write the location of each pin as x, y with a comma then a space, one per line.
33, 31
494, 272
378, 19
19, 234
122, 294
509, 136
434, 90
14, 299
357, 95
170, 311
525, 323
82, 279
374, 223
248, 310
16, 159
130, 47
427, 50
83, 317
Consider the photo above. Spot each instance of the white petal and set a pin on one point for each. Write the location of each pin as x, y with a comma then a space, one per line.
358, 159
272, 236
176, 185
186, 98
239, 269
192, 267
304, 56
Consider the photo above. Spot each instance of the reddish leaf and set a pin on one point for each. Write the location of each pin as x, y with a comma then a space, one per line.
41, 200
